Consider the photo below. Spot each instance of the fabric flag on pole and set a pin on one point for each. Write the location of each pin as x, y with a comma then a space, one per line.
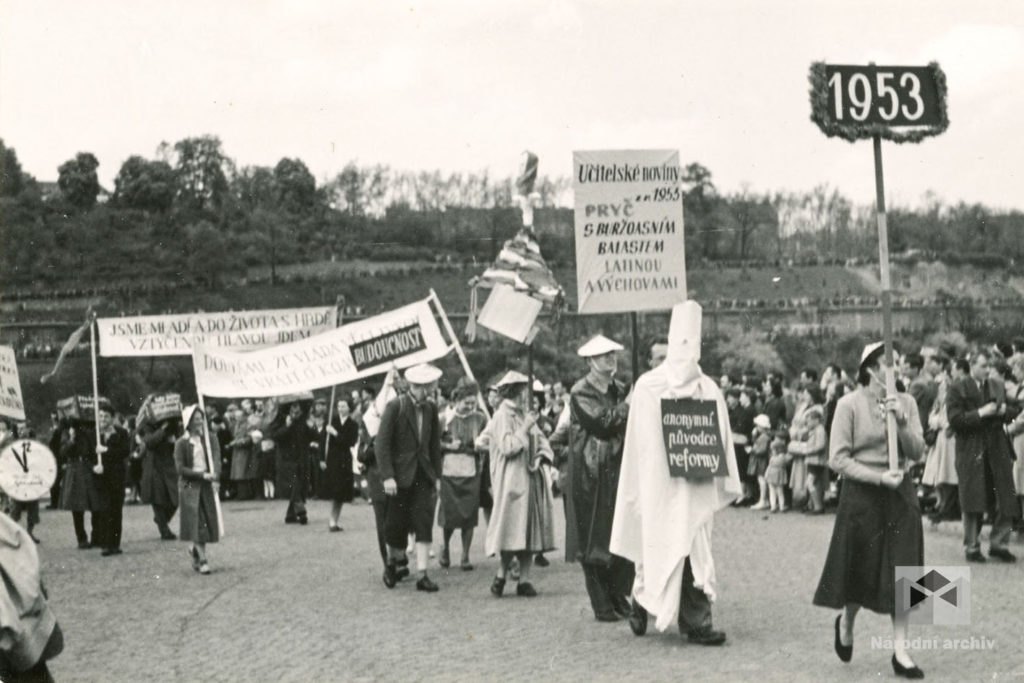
519, 263
73, 341
372, 416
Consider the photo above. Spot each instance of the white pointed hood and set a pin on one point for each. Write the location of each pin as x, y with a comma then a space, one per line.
683, 354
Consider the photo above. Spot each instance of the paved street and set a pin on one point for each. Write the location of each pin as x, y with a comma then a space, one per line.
298, 604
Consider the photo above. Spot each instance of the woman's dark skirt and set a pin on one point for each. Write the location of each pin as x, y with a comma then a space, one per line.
877, 529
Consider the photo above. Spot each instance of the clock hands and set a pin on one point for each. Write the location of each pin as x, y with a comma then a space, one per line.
23, 457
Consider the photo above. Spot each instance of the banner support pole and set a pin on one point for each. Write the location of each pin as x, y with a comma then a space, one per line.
458, 348
209, 463
883, 263
95, 388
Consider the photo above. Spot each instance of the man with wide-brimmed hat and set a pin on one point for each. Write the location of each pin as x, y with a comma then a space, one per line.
408, 450
598, 412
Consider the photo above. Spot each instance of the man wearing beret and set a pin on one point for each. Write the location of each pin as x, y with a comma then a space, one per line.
598, 412
408, 449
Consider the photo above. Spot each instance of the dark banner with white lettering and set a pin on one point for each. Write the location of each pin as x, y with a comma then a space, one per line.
388, 347
693, 438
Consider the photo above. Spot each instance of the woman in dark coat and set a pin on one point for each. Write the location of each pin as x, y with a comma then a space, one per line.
197, 471
80, 490
878, 522
159, 485
337, 439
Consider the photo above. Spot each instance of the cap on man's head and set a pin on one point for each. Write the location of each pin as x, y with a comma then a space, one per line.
424, 373
598, 346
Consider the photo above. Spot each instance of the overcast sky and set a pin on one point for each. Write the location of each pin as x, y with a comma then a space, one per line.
467, 86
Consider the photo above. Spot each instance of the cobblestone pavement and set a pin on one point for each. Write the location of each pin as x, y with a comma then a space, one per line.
298, 603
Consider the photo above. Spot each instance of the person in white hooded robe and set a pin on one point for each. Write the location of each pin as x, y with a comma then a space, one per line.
663, 523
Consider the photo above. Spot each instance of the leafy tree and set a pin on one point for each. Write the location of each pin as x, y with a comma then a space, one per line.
206, 252
78, 181
202, 169
11, 176
144, 184
749, 214
294, 185
699, 203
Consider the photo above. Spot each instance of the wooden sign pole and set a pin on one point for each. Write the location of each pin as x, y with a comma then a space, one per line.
883, 262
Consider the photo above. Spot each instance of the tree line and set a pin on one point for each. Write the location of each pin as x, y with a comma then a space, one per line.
191, 213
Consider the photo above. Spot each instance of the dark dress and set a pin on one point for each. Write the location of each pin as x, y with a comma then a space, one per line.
159, 486
80, 490
338, 481
293, 448
460, 473
877, 528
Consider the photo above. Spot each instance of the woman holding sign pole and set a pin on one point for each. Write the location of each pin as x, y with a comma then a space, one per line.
197, 470
878, 523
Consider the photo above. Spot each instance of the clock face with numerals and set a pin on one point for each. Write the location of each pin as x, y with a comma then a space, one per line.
27, 470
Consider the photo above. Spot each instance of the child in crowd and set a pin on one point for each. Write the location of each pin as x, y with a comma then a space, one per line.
759, 451
811, 448
775, 476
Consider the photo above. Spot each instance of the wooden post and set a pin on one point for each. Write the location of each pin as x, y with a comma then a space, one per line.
883, 263
95, 389
209, 464
458, 350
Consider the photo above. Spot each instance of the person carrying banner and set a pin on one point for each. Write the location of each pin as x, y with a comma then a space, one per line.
80, 491
159, 485
294, 439
196, 490
408, 450
878, 522
598, 412
663, 521
334, 444
114, 449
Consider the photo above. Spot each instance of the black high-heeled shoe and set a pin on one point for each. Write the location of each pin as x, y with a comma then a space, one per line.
906, 671
498, 586
844, 652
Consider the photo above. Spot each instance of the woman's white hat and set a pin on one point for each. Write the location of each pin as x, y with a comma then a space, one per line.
763, 421
187, 412
868, 351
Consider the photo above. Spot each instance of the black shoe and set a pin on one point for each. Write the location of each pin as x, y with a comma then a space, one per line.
526, 590
706, 636
390, 577
541, 561
32, 536
168, 536
844, 652
1002, 554
446, 559
402, 569
906, 671
107, 552
498, 586
84, 545
975, 556
607, 617
426, 585
291, 520
637, 618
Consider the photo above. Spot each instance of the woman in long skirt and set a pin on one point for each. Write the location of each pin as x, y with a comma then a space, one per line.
878, 523
460, 473
197, 472
521, 522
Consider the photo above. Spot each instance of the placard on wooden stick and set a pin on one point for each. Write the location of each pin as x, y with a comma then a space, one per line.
511, 314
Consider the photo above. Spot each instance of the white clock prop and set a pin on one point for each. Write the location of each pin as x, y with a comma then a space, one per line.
27, 470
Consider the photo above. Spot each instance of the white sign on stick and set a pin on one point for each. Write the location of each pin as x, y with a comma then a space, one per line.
630, 249
175, 335
11, 403
402, 337
510, 313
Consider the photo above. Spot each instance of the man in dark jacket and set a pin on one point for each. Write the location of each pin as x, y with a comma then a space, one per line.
598, 424
114, 449
408, 450
976, 407
159, 485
